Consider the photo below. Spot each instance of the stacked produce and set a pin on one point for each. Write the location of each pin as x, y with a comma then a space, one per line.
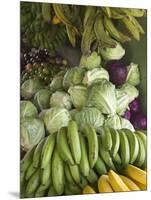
134, 179
66, 161
39, 28
82, 127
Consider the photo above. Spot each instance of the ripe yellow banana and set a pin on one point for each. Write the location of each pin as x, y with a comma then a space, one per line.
137, 174
141, 186
104, 185
88, 190
130, 184
116, 182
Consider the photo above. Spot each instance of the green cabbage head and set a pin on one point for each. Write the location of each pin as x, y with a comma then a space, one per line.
91, 61
55, 118
122, 100
95, 75
27, 109
32, 131
78, 95
113, 53
102, 96
91, 116
133, 76
61, 99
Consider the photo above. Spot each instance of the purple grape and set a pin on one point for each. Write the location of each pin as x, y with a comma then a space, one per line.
117, 72
139, 121
127, 115
135, 106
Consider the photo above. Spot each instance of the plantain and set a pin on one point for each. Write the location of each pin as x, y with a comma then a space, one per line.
71, 35
107, 11
133, 12
46, 11
103, 39
114, 32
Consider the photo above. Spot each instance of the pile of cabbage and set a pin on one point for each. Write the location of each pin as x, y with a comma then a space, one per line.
100, 91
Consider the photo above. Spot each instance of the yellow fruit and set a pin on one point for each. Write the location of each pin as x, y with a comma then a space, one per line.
130, 184
116, 182
88, 190
103, 184
56, 20
137, 174
141, 186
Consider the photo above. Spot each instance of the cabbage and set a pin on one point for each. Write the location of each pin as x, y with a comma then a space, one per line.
27, 109
61, 99
127, 124
91, 61
32, 131
113, 122
89, 116
95, 75
73, 76
130, 90
42, 99
113, 53
55, 118
56, 83
78, 96
117, 122
122, 99
29, 88
133, 76
102, 96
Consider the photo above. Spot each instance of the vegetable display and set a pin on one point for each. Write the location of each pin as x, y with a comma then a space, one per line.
82, 126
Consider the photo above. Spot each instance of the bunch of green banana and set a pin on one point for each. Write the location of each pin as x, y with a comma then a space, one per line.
98, 25
37, 29
66, 161
118, 148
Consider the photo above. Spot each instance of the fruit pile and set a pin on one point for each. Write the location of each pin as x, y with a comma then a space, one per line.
39, 32
82, 127
70, 159
134, 179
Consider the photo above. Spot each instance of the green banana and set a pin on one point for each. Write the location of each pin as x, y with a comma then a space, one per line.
84, 162
52, 191
75, 189
83, 182
57, 172
137, 24
115, 141
105, 155
92, 138
74, 141
46, 174
71, 35
89, 13
124, 148
100, 167
37, 153
63, 147
67, 191
101, 35
131, 27
117, 159
41, 191
107, 11
26, 161
46, 11
133, 12
33, 183
115, 14
68, 175
31, 169
92, 177
106, 138
142, 153
75, 172
47, 150
114, 32
134, 145
88, 35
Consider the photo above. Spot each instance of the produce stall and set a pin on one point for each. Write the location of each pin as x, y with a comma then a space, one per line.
83, 122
